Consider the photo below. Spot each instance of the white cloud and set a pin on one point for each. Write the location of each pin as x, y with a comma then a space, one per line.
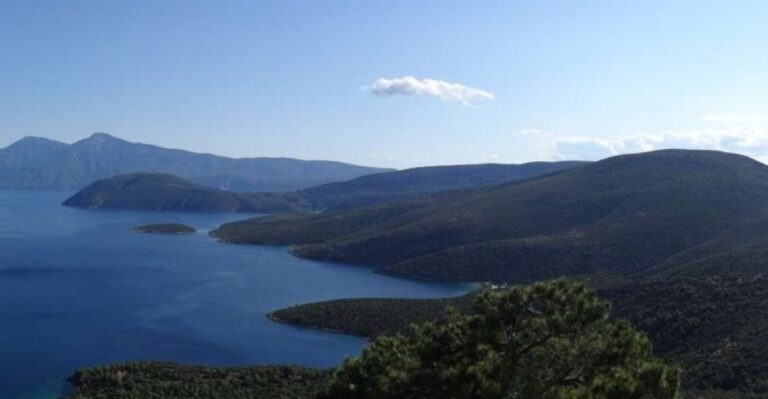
733, 119
446, 91
750, 142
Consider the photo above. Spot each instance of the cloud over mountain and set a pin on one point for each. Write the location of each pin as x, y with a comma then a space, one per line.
750, 142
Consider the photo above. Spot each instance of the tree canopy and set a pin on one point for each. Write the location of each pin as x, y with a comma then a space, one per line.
551, 340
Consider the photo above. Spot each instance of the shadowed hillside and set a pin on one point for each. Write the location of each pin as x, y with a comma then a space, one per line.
672, 211
392, 186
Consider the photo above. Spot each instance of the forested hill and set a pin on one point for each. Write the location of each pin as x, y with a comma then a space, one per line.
35, 163
160, 192
671, 212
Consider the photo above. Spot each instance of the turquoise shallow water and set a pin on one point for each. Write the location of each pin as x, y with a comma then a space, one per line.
78, 289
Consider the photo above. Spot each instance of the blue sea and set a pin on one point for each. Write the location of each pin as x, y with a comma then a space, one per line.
78, 289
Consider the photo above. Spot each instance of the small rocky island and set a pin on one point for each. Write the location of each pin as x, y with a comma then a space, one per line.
164, 228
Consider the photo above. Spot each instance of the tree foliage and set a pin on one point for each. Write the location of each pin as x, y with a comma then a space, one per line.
546, 341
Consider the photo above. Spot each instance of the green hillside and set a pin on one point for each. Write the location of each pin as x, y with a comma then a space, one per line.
672, 211
715, 328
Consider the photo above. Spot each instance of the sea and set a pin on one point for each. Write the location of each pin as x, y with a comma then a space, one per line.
79, 289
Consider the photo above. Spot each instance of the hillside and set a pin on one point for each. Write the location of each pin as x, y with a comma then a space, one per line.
34, 163
649, 214
386, 187
160, 192
714, 327
369, 317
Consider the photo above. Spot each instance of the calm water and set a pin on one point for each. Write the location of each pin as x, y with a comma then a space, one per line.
78, 289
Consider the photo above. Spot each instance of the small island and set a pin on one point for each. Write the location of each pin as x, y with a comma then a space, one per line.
164, 228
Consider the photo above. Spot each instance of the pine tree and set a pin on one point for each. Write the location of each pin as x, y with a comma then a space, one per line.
551, 340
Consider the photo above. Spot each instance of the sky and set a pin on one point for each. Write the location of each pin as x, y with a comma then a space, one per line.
396, 83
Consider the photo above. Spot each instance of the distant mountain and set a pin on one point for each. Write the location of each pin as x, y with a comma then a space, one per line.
161, 192
664, 213
40, 164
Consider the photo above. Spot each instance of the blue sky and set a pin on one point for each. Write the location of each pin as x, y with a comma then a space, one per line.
390, 83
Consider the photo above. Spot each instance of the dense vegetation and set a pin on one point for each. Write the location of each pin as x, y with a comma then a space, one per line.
715, 328
369, 317
41, 164
672, 211
550, 340
164, 228
149, 380
546, 341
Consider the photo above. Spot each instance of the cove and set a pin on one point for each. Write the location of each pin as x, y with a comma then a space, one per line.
78, 289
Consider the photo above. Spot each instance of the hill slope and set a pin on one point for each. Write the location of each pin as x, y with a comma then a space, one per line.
404, 184
41, 164
627, 215
160, 192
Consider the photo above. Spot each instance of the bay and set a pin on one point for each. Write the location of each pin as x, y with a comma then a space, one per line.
78, 289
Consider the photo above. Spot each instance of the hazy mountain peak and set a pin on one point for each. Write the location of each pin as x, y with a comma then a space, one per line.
38, 163
36, 141
99, 138
102, 136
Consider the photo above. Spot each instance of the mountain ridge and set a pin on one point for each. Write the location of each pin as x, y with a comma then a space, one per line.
378, 188
37, 163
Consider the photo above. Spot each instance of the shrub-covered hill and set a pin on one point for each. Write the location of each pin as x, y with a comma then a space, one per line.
144, 380
161, 192
369, 317
715, 328
632, 215
387, 187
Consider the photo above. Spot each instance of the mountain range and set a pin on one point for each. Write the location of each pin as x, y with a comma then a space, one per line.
664, 213
164, 192
35, 163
